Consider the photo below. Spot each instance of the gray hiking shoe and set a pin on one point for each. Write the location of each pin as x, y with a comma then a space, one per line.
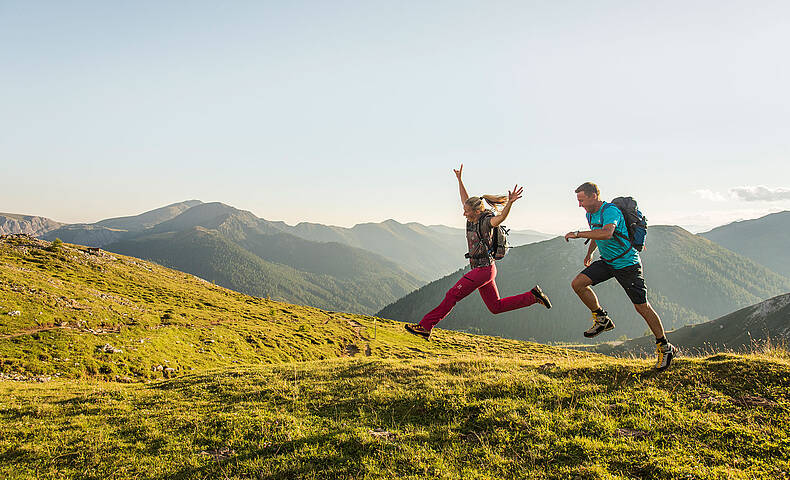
601, 323
666, 352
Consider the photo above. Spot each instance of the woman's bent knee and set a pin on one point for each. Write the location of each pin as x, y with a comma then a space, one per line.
495, 309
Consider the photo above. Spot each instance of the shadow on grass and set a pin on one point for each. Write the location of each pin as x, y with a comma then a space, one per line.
352, 381
317, 456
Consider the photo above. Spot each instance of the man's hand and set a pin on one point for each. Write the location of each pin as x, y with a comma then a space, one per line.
458, 172
587, 260
570, 235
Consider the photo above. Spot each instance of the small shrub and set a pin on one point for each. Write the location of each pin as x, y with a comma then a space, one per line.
56, 246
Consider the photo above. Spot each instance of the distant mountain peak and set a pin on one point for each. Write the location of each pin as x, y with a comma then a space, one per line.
150, 218
763, 239
30, 224
776, 216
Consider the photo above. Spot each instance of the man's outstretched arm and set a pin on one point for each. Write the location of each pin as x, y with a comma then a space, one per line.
604, 233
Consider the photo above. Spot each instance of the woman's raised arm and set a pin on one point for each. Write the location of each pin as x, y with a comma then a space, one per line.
512, 196
461, 188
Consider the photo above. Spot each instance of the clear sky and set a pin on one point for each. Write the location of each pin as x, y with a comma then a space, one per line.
343, 112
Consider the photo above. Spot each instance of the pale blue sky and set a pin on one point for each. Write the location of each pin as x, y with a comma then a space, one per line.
347, 112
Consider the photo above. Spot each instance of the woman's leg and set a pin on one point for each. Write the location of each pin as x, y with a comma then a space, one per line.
490, 295
466, 285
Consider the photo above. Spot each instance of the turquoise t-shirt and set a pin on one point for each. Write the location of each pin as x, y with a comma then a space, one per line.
615, 245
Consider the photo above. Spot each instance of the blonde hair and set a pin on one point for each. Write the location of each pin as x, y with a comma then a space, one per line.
495, 201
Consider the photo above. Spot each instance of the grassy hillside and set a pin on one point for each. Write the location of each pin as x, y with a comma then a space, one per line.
763, 325
462, 417
225, 385
690, 280
764, 240
59, 311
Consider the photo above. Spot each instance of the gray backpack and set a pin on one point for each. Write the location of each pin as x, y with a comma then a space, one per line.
499, 246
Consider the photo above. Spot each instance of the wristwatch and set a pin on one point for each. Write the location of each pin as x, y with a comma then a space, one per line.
577, 233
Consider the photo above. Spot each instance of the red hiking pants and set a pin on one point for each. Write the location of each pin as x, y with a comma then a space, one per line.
481, 278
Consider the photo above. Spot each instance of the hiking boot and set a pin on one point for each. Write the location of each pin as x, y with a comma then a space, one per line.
541, 297
601, 323
417, 329
666, 353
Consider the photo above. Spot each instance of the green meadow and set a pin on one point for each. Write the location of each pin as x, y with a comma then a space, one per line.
113, 367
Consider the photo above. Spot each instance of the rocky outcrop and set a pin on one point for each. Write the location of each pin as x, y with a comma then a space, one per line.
12, 223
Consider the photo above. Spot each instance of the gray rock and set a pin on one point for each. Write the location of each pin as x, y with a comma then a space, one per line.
107, 348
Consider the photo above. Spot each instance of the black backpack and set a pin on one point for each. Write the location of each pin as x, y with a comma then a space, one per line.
499, 246
635, 223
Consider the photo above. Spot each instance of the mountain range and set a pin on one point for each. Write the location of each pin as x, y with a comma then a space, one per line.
764, 240
29, 224
426, 252
237, 250
690, 280
368, 266
767, 322
310, 264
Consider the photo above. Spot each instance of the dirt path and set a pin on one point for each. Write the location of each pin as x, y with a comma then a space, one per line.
355, 348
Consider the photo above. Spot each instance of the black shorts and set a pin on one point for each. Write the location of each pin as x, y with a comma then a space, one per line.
630, 278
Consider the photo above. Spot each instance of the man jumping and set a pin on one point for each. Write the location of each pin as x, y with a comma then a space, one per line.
619, 260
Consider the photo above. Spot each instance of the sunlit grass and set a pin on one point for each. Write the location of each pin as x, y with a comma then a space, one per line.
265, 390
465, 416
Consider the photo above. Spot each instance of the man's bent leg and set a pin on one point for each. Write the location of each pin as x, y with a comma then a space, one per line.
581, 285
596, 273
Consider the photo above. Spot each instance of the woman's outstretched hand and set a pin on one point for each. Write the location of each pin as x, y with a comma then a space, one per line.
515, 194
458, 172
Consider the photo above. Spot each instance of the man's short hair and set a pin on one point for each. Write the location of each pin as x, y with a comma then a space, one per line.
588, 188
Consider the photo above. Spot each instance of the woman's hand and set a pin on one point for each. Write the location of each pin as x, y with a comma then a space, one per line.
515, 194
512, 196
458, 172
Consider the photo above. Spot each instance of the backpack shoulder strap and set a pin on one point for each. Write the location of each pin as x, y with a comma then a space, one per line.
589, 216
478, 226
483, 216
623, 239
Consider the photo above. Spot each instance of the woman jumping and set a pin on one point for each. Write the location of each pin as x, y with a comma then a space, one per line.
479, 225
